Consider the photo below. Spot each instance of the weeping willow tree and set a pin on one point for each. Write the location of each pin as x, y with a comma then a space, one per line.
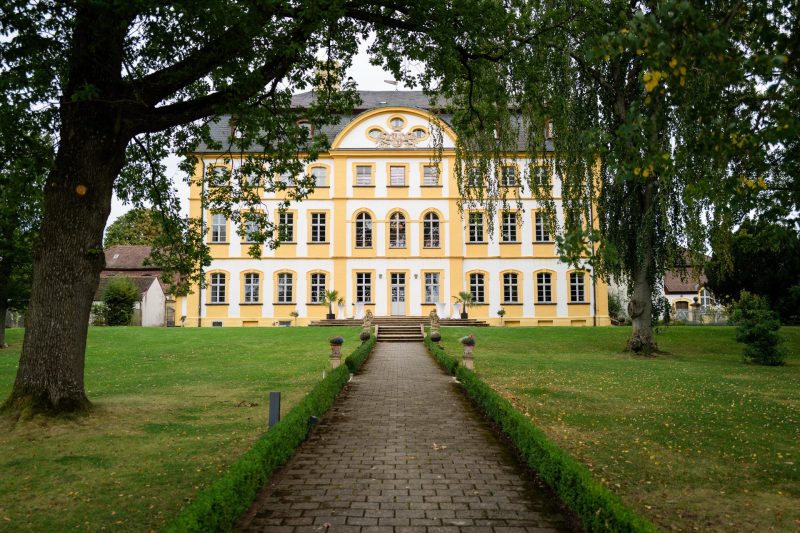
636, 107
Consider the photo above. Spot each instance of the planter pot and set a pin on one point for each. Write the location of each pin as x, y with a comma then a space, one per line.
330, 316
359, 311
336, 350
340, 310
464, 315
468, 361
456, 310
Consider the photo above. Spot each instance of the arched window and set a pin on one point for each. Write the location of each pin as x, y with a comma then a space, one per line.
397, 231
363, 230
430, 230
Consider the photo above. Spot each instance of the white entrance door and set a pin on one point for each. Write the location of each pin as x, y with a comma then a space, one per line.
398, 280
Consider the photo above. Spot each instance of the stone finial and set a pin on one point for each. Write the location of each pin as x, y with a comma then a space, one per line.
367, 319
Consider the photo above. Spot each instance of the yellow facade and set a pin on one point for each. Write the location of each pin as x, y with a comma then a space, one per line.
419, 254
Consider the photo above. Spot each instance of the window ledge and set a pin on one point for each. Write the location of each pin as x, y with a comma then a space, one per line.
398, 248
321, 187
318, 242
288, 242
220, 242
477, 242
365, 303
363, 186
284, 303
577, 303
545, 303
544, 242
510, 242
431, 247
251, 303
432, 186
217, 303
511, 303
397, 186
316, 303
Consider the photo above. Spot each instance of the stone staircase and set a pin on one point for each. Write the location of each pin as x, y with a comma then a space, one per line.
401, 333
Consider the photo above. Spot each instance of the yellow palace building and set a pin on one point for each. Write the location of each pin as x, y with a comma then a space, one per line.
383, 228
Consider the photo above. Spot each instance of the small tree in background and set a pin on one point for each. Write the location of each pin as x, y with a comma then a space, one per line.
120, 296
758, 329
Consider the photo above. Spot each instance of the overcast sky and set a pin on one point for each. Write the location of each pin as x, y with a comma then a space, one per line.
367, 77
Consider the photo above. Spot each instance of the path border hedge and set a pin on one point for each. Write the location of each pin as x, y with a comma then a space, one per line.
596, 506
218, 507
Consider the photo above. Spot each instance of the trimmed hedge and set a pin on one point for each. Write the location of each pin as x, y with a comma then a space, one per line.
220, 506
357, 358
597, 507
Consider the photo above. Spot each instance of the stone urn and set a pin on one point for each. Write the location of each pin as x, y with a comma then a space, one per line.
336, 351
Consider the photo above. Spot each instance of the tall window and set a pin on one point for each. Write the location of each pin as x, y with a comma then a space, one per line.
577, 293
218, 176
317, 227
219, 230
476, 227
250, 231
363, 175
508, 177
542, 231
397, 231
252, 282
317, 288
286, 226
285, 178
541, 177
544, 287
363, 230
252, 179
364, 287
510, 288
477, 288
431, 287
706, 298
320, 176
509, 227
430, 175
217, 288
430, 230
285, 288
397, 176
474, 178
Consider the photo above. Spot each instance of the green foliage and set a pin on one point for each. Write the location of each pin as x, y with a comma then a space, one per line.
357, 358
219, 507
330, 297
598, 509
615, 307
742, 260
757, 327
119, 298
99, 312
137, 226
466, 298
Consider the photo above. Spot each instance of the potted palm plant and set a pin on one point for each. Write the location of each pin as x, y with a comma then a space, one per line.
465, 298
330, 297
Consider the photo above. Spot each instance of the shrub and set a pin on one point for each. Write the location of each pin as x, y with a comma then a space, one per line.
364, 335
119, 297
336, 341
98, 315
469, 340
436, 336
757, 327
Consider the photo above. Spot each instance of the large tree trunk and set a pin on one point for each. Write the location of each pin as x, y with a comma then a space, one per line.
66, 267
3, 309
640, 307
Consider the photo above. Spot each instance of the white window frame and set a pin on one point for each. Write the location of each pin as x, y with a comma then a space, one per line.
431, 230
286, 220
365, 178
319, 230
217, 288
542, 232
509, 227
397, 230
318, 286
252, 286
397, 176
320, 176
577, 287
477, 286
363, 229
219, 230
544, 287
285, 288
363, 287
475, 227
250, 227
510, 288
430, 175
508, 176
432, 281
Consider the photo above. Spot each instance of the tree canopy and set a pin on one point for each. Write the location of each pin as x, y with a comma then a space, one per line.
137, 226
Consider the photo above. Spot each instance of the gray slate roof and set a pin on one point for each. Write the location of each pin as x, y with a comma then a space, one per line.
220, 129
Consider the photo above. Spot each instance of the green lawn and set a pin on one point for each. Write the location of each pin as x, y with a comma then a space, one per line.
694, 439
173, 408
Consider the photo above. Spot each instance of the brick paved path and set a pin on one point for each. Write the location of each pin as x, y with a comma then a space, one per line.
402, 451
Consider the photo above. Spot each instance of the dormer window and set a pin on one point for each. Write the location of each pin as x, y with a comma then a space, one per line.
548, 130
